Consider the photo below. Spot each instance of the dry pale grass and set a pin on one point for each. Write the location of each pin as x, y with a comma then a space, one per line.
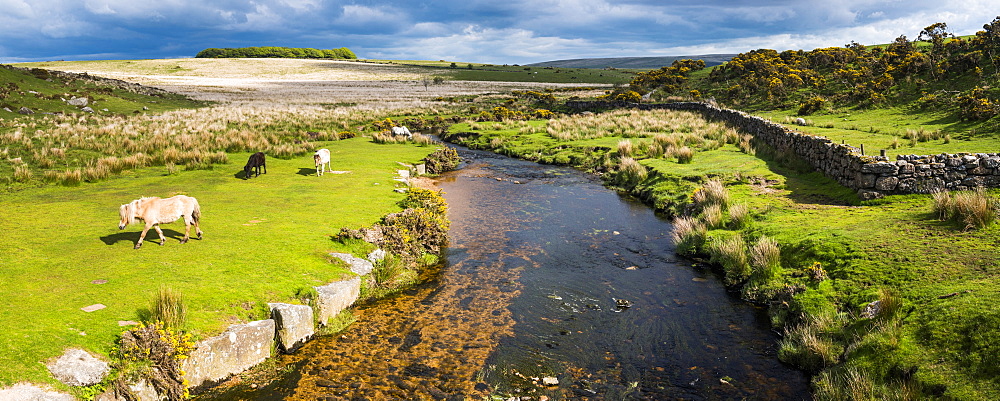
290, 81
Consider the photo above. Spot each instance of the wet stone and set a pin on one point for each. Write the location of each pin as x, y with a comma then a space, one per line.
325, 383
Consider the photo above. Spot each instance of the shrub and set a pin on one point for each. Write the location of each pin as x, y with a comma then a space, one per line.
442, 160
151, 353
420, 228
811, 106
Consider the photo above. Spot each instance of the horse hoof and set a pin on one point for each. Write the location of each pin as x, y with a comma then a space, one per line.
162, 242
137, 246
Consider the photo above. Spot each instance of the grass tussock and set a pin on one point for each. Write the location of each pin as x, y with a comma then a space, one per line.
972, 209
688, 234
169, 308
731, 254
714, 192
629, 173
808, 345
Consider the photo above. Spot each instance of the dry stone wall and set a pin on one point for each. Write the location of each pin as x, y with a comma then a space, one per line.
871, 176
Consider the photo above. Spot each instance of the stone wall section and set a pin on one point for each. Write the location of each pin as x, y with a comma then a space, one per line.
872, 176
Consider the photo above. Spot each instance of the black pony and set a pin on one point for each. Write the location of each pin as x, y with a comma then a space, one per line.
254, 164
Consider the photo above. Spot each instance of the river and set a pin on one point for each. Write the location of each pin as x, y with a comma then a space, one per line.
553, 287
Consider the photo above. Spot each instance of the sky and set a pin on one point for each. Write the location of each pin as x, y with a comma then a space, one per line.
480, 31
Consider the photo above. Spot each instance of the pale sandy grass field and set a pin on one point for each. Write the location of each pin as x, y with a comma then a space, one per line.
290, 81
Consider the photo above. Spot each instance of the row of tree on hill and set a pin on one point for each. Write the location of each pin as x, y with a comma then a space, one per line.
937, 69
277, 52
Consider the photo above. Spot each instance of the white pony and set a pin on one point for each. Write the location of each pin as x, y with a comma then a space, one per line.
322, 161
154, 211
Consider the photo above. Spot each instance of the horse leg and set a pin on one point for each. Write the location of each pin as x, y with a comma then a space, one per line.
163, 240
187, 232
143, 235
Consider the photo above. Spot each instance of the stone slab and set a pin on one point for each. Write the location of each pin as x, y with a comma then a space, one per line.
239, 348
335, 297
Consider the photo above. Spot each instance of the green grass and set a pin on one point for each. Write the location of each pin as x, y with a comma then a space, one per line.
877, 129
264, 238
517, 73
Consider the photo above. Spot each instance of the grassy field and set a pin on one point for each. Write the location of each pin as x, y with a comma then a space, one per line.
264, 238
517, 73
895, 250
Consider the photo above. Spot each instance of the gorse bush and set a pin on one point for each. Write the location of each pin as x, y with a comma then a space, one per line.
442, 160
152, 353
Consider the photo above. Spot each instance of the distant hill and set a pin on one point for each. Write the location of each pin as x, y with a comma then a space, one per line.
632, 62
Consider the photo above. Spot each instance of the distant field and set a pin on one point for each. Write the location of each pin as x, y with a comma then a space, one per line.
642, 63
387, 83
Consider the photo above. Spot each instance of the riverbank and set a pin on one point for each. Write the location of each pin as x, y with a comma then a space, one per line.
839, 256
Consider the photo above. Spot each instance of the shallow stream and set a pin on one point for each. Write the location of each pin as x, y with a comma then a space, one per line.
553, 286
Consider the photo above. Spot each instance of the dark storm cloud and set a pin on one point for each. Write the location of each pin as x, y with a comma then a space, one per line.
514, 31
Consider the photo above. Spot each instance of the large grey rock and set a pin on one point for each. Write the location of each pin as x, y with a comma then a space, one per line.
237, 349
78, 102
376, 256
27, 392
335, 297
886, 183
25, 110
357, 265
294, 324
77, 367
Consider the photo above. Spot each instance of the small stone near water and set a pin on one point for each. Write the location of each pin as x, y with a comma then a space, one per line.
550, 381
699, 279
632, 268
616, 233
92, 308
123, 323
99, 281
622, 304
325, 383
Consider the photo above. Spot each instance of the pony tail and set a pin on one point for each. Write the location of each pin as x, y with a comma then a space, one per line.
196, 213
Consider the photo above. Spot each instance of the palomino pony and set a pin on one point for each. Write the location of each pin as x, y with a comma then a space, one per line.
154, 211
256, 161
322, 160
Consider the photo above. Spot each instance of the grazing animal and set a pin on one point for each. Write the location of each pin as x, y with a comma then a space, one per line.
401, 131
322, 161
254, 164
155, 211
